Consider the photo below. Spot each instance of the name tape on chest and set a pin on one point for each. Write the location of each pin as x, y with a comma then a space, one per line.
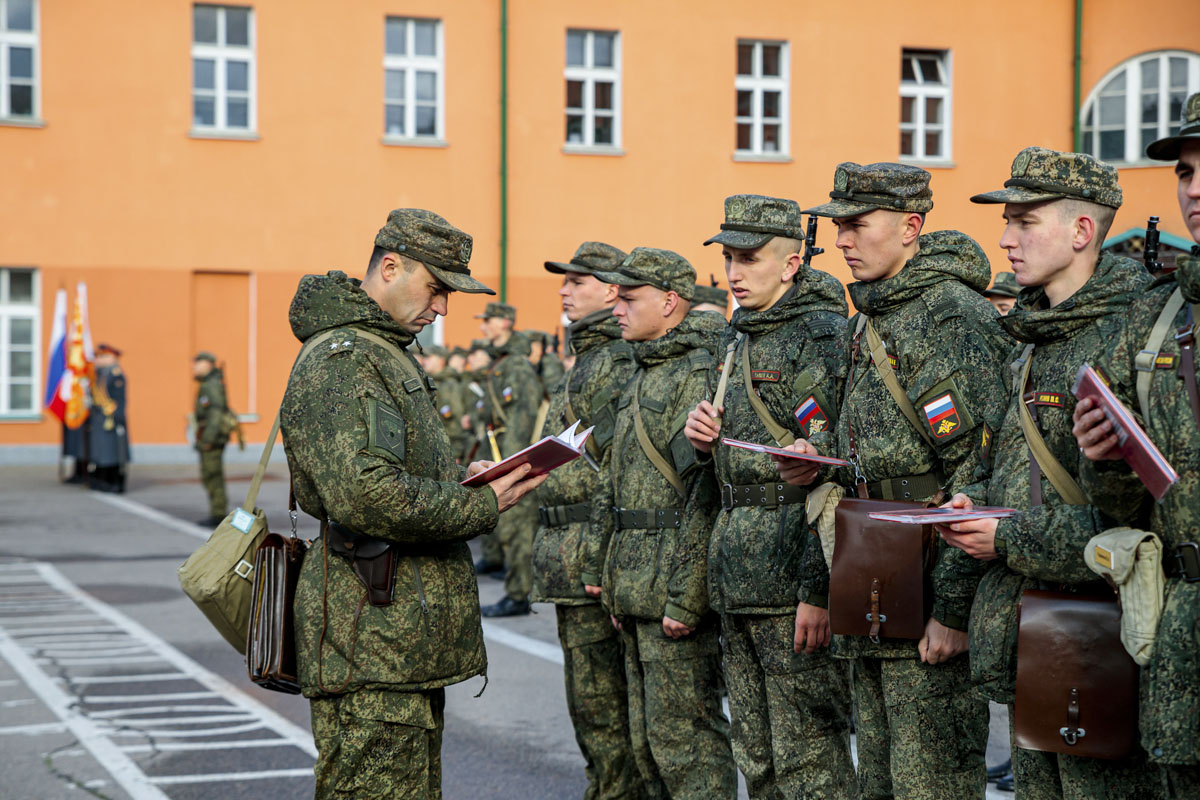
811, 416
1051, 399
942, 416
1164, 361
768, 375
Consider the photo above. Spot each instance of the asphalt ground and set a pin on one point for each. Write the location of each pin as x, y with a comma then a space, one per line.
113, 685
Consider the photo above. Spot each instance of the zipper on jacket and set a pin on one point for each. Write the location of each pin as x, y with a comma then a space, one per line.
420, 586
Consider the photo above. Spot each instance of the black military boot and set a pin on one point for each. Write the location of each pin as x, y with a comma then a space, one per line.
507, 607
999, 771
483, 567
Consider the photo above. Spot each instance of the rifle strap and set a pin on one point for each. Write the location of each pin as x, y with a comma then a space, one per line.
497, 409
1040, 458
782, 436
888, 376
656, 458
723, 381
1144, 361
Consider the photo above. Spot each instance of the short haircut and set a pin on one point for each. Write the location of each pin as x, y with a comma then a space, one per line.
1070, 209
377, 254
784, 247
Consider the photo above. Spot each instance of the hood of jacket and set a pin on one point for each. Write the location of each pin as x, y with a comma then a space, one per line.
943, 256
813, 291
591, 331
699, 329
334, 300
1187, 272
1105, 293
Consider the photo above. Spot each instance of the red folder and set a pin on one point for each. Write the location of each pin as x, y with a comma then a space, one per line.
779, 451
1134, 445
550, 453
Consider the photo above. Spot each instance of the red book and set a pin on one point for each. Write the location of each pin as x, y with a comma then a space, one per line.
1134, 445
779, 451
550, 453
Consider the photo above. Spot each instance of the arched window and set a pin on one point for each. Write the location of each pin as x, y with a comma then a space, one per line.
1138, 102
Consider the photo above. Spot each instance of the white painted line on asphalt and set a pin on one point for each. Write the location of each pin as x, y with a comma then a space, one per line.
141, 678
154, 515
526, 644
34, 730
233, 776
105, 699
232, 744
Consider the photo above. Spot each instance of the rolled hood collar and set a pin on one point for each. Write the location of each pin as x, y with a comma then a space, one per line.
699, 329
334, 300
593, 330
813, 291
943, 256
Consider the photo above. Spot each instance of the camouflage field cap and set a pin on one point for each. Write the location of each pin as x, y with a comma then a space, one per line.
859, 188
430, 239
501, 310
590, 258
479, 344
204, 355
752, 220
1168, 149
1003, 285
437, 350
1040, 174
713, 295
650, 266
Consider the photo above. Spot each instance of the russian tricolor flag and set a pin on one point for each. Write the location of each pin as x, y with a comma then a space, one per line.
939, 409
56, 360
807, 410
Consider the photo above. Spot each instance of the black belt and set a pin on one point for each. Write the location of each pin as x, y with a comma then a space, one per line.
349, 543
909, 487
1183, 563
761, 495
559, 516
648, 518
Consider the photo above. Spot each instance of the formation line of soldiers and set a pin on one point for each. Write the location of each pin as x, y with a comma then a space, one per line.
679, 565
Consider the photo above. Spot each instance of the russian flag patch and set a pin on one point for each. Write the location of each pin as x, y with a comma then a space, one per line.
811, 416
942, 416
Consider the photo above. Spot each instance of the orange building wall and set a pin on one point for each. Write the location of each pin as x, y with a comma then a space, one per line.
113, 190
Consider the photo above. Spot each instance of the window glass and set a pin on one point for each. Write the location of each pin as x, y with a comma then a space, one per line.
603, 44
575, 41
20, 15
425, 37
20, 286
237, 26
204, 24
396, 37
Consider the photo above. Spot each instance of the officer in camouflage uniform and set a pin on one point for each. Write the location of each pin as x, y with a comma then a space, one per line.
790, 712
1058, 208
921, 731
367, 453
513, 394
1170, 697
663, 501
211, 433
568, 555
449, 396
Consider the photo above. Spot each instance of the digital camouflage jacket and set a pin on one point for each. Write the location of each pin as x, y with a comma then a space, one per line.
210, 411
1170, 701
654, 572
565, 557
1043, 543
513, 394
365, 447
451, 406
949, 355
798, 359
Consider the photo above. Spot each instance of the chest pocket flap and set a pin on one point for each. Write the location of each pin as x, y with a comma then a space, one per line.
386, 430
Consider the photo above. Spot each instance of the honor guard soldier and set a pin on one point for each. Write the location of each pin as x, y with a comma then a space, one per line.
212, 433
925, 381
568, 550
1152, 366
1058, 208
1002, 294
663, 501
786, 347
386, 607
109, 438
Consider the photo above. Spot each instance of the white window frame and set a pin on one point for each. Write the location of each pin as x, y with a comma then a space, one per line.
410, 64
28, 39
589, 74
1135, 154
221, 54
757, 83
31, 311
919, 91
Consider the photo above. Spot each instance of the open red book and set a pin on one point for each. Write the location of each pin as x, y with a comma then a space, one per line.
548, 454
944, 516
1135, 446
779, 451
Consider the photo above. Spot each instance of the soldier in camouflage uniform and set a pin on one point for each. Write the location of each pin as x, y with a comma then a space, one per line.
1058, 208
545, 360
449, 396
789, 712
710, 298
1170, 695
921, 294
663, 501
211, 433
568, 555
1002, 294
513, 394
369, 458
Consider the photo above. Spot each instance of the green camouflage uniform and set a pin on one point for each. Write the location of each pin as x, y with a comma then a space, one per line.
451, 407
789, 712
211, 437
1043, 545
942, 340
567, 553
365, 449
655, 565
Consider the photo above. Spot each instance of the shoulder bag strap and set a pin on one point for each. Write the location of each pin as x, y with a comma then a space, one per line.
888, 376
723, 381
402, 360
1040, 453
1144, 362
782, 436
656, 458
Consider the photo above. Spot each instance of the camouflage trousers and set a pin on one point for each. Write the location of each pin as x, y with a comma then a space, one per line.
790, 714
680, 735
1050, 776
381, 745
515, 531
597, 701
1180, 781
212, 476
922, 731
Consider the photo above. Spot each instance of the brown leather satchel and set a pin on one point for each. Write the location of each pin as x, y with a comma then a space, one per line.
271, 642
877, 583
1076, 685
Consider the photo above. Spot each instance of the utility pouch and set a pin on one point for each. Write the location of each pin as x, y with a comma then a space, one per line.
373, 561
877, 582
1076, 685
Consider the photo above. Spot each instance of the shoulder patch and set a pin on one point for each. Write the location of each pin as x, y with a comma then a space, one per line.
386, 429
943, 410
811, 415
825, 329
943, 305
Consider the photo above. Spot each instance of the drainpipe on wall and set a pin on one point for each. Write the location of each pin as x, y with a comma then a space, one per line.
1078, 68
503, 150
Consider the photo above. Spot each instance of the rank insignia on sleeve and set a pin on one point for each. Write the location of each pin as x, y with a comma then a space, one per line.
507, 394
985, 443
769, 375
893, 362
811, 416
942, 416
445, 412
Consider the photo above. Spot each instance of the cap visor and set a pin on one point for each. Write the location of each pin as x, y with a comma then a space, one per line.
459, 281
840, 209
999, 293
1168, 149
559, 268
619, 279
741, 240
1016, 195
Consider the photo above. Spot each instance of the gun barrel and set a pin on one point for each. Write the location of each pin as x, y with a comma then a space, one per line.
1150, 253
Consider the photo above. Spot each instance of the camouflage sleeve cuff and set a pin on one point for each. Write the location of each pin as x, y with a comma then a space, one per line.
590, 579
947, 617
814, 599
681, 614
493, 504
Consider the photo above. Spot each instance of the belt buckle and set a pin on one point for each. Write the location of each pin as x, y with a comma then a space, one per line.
726, 496
1182, 560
